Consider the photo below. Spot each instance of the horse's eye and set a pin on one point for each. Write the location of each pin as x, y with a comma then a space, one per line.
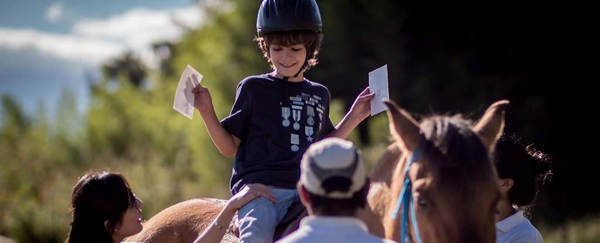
421, 202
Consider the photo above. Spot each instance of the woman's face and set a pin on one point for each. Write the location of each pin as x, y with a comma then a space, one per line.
131, 223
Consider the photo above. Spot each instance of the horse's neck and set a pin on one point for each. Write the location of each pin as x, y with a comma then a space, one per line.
379, 194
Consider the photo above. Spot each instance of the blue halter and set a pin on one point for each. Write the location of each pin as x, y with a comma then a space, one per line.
405, 200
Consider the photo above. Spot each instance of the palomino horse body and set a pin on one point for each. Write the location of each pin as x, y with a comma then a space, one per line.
454, 184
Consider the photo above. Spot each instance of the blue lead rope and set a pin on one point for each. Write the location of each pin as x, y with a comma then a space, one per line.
405, 201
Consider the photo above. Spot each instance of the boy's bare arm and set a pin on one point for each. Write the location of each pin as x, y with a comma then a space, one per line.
223, 140
360, 110
344, 128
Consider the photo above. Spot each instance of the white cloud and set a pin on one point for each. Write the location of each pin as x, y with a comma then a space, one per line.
138, 26
55, 12
67, 47
138, 29
94, 41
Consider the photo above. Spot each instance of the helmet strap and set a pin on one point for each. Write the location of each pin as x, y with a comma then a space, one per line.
296, 75
303, 66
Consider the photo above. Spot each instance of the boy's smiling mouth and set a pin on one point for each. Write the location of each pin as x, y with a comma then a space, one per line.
287, 65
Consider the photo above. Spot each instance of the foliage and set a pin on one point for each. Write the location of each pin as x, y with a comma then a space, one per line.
129, 127
584, 230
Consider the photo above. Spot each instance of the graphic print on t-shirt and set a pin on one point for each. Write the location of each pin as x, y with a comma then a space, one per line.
310, 113
285, 113
297, 115
298, 104
295, 142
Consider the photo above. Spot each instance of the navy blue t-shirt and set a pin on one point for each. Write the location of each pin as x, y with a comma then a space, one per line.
275, 129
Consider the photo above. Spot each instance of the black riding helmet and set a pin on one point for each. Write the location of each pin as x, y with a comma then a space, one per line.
288, 15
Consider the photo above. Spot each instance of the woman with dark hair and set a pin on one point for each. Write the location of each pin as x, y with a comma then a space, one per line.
105, 210
522, 171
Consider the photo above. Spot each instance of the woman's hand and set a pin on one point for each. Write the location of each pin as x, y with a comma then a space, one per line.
249, 193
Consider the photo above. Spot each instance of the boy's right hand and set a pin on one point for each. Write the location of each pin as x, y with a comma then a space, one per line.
203, 101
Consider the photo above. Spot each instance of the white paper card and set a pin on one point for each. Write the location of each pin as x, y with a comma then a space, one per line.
378, 84
184, 98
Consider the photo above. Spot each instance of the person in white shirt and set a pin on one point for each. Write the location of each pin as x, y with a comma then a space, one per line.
522, 170
333, 186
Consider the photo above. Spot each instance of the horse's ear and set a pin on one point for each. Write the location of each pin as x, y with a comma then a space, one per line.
490, 126
403, 127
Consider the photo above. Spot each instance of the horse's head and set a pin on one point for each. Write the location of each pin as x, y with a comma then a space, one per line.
454, 183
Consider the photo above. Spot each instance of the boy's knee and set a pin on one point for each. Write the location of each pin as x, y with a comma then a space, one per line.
256, 230
257, 221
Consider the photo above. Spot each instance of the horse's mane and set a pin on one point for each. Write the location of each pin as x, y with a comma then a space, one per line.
450, 145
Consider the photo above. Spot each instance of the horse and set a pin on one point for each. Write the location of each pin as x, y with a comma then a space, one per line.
454, 184
454, 181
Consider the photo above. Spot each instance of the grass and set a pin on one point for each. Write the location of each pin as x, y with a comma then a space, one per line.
585, 230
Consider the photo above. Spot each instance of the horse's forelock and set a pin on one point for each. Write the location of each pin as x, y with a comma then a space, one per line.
452, 147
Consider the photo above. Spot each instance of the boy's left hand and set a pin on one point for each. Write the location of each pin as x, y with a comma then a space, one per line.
361, 108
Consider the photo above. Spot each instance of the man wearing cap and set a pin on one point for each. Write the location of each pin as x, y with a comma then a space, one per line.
333, 186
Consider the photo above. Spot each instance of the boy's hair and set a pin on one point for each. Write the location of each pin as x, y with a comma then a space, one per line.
310, 39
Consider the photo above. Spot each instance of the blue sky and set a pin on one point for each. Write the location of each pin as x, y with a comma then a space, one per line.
50, 46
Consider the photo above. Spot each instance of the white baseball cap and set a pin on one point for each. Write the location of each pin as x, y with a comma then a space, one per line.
328, 158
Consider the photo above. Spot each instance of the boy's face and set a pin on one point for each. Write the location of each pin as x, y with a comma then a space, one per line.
288, 60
